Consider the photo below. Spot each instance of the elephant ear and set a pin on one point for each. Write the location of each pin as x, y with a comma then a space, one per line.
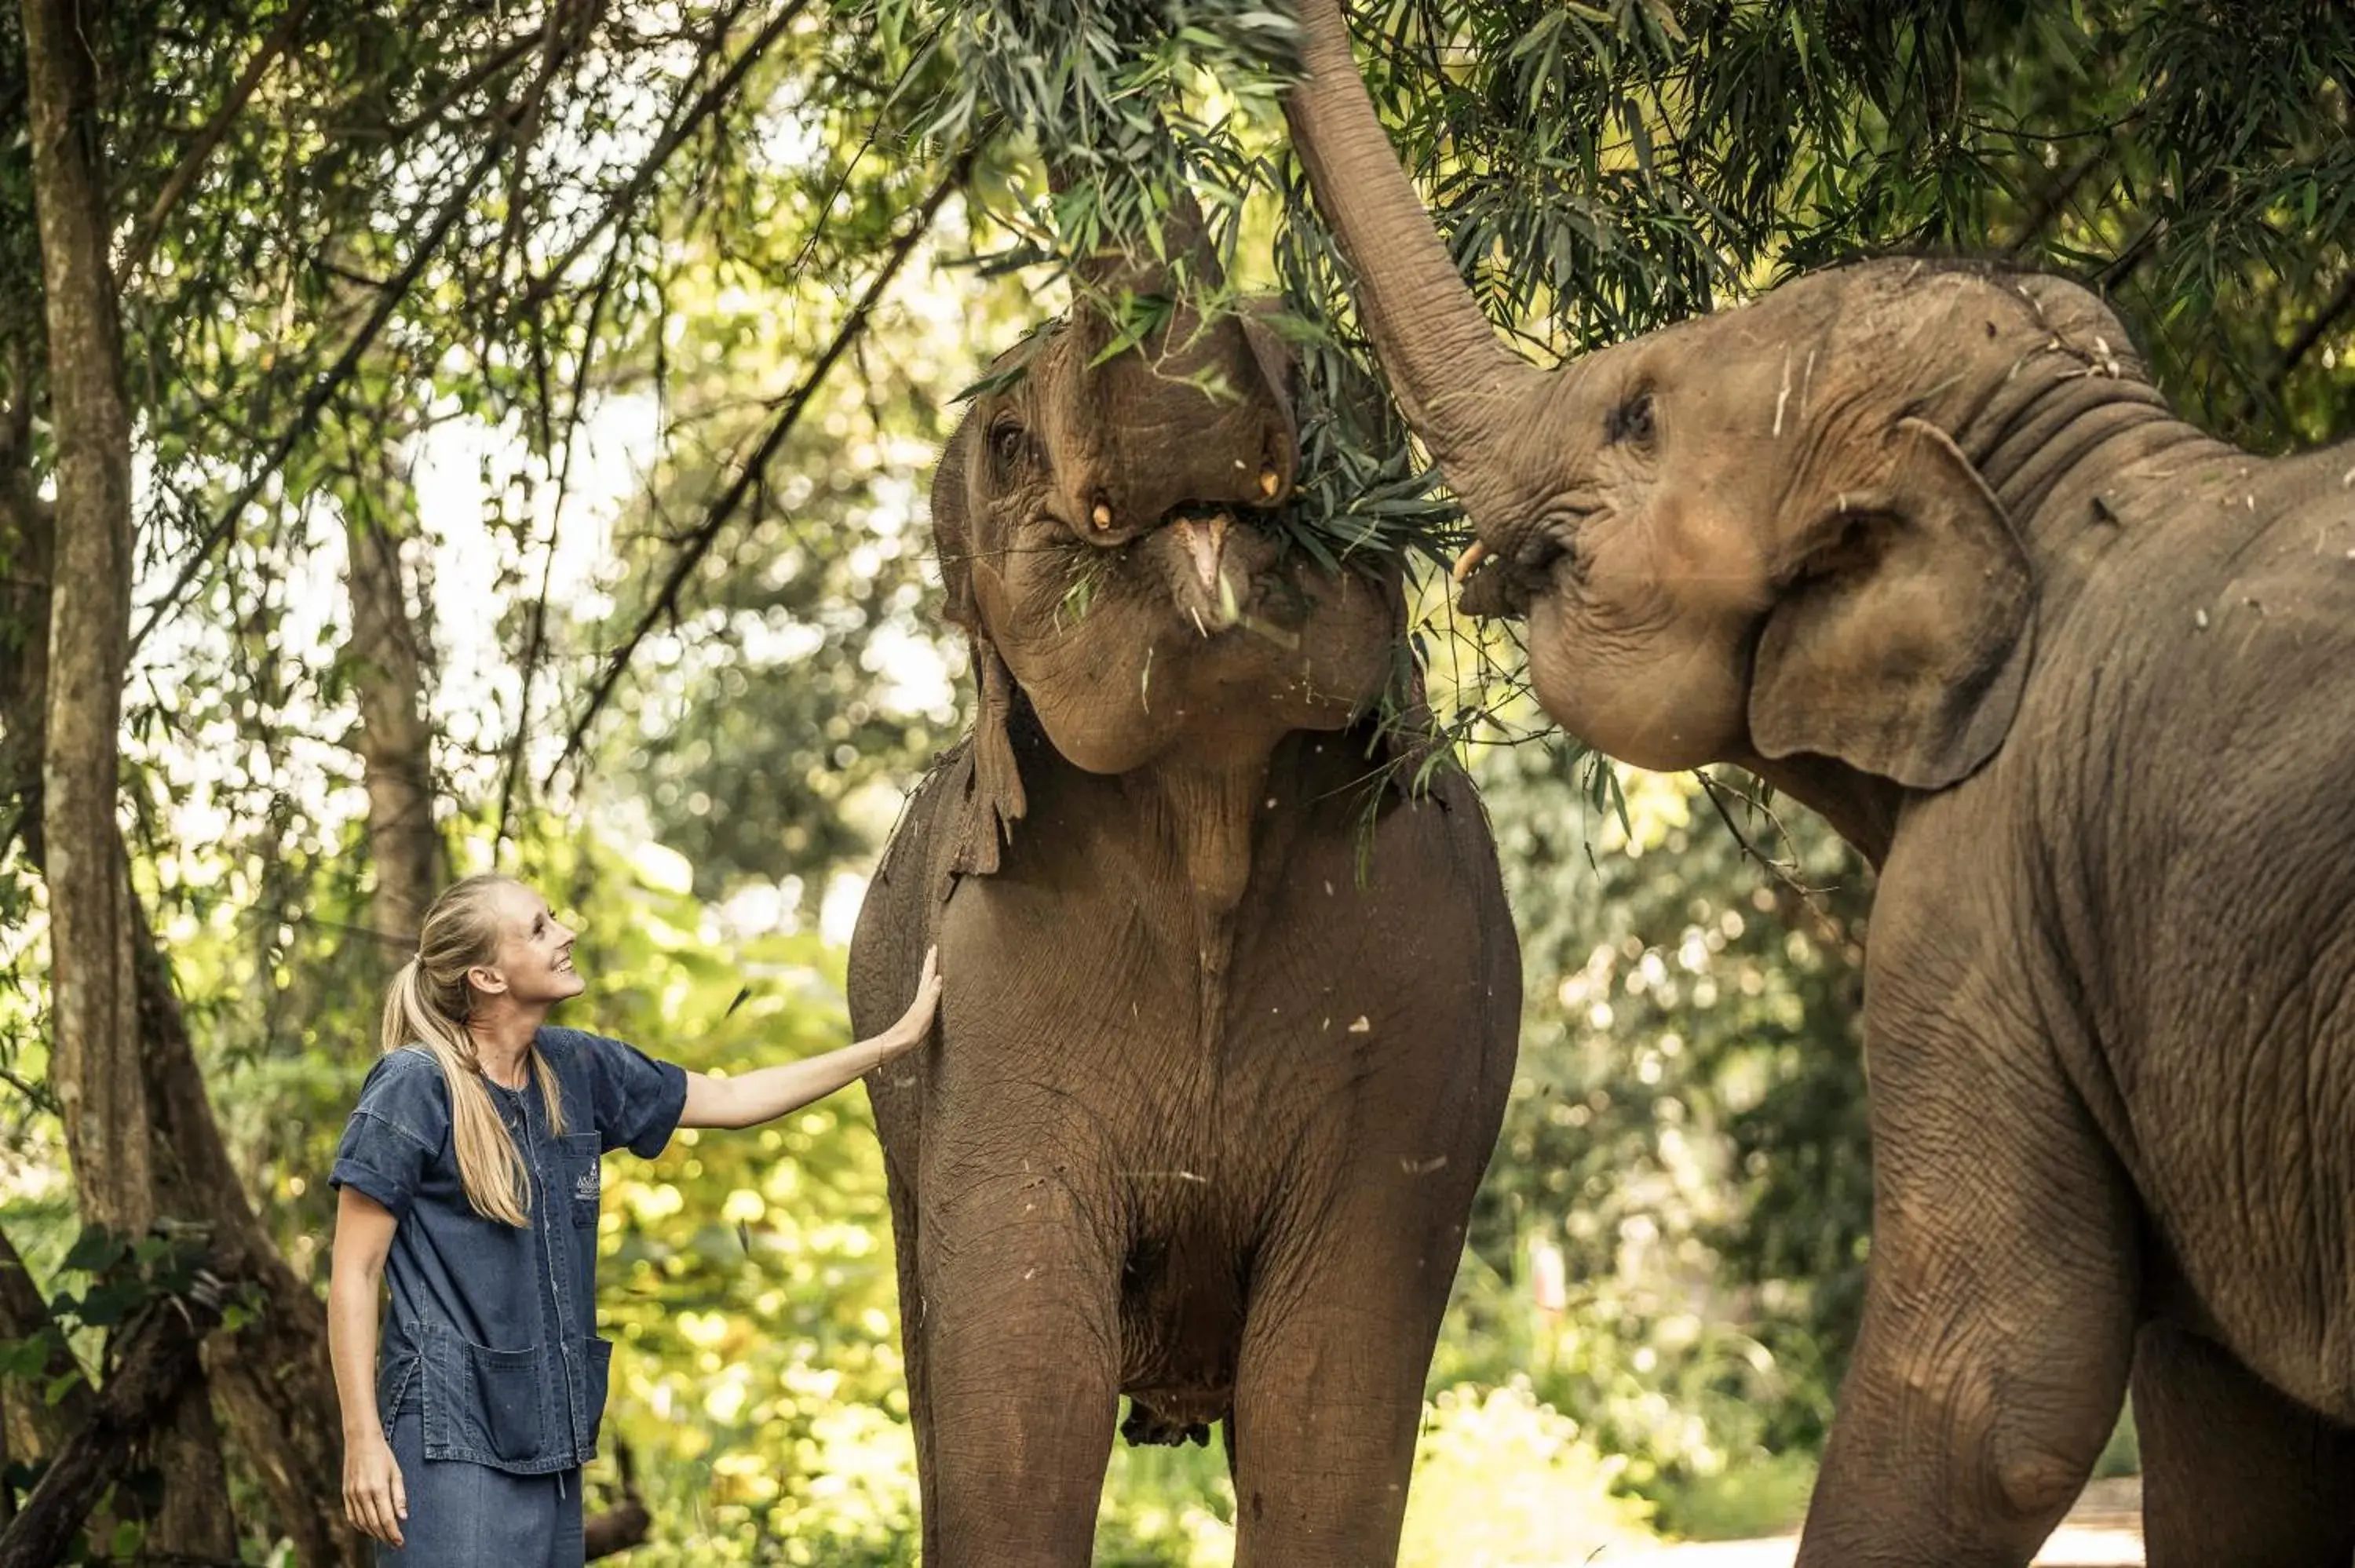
1901, 640
994, 799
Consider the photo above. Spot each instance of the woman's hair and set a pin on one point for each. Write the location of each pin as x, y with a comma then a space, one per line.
427, 1007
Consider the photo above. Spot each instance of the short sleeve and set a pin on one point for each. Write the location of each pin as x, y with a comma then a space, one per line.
638, 1100
399, 1124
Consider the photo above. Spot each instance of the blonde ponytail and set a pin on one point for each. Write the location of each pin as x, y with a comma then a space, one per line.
426, 1006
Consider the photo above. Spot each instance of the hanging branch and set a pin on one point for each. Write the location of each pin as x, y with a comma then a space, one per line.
323, 388
2333, 311
535, 641
712, 99
1786, 873
200, 151
698, 544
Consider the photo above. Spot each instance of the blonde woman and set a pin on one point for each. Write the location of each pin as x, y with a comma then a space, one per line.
468, 1180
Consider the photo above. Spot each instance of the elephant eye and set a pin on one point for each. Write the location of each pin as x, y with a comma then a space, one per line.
1631, 421
1007, 441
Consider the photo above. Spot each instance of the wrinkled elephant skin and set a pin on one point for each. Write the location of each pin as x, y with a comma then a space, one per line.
1202, 1119
1921, 544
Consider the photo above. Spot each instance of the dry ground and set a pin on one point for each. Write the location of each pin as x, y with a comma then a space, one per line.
2103, 1531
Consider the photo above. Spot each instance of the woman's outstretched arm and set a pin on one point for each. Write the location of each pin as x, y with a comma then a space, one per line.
770, 1092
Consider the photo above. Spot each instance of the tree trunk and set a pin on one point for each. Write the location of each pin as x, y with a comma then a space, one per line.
272, 1376
153, 1376
395, 742
28, 539
41, 1425
94, 1062
30, 1426
386, 657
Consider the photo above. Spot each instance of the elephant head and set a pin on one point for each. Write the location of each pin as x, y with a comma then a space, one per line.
1762, 535
1101, 522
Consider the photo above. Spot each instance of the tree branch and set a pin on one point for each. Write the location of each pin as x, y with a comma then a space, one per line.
2056, 197
159, 1357
501, 59
192, 162
1785, 874
2313, 333
626, 1524
696, 545
705, 105
23, 1315
535, 641
388, 301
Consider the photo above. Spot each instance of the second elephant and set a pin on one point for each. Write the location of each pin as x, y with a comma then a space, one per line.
1921, 544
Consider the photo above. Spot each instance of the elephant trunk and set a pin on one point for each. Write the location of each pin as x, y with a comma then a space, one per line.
1446, 364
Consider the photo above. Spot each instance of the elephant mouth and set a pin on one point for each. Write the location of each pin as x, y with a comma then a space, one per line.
1495, 588
1214, 560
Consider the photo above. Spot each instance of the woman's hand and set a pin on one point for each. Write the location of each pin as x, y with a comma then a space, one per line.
774, 1091
913, 1026
374, 1498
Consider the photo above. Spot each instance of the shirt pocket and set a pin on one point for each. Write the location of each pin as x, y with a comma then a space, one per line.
490, 1402
581, 1171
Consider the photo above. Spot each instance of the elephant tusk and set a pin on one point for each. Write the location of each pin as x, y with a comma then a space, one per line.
1101, 514
1270, 481
1467, 560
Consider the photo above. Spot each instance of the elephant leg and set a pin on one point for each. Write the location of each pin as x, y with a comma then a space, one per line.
2233, 1471
1328, 1389
912, 1353
1999, 1305
1020, 1371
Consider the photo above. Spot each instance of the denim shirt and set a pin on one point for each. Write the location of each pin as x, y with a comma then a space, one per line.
491, 1327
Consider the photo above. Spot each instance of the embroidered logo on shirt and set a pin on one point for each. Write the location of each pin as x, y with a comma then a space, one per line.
585, 1186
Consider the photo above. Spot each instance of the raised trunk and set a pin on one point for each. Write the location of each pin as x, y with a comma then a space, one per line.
1446, 364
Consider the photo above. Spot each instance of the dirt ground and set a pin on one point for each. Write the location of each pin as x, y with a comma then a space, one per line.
2103, 1531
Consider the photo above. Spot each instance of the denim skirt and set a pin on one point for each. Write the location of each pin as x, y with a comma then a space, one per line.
471, 1516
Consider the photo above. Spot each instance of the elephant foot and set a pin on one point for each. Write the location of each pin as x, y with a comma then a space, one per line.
1146, 1425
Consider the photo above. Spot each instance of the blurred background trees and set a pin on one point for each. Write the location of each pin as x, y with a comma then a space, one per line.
529, 414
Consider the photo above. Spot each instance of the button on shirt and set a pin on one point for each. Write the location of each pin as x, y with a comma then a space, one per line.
490, 1328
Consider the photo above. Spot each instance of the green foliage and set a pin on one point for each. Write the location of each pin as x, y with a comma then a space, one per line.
1560, 1505
746, 1277
1151, 123
1670, 1241
1600, 171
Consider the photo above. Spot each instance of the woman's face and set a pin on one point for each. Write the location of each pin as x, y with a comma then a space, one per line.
534, 967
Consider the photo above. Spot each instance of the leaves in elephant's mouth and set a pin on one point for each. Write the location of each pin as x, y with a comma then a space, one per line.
1141, 108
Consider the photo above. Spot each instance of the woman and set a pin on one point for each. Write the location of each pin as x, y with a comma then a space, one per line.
468, 1178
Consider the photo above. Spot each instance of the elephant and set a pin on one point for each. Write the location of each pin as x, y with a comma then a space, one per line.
1229, 1010
1919, 542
